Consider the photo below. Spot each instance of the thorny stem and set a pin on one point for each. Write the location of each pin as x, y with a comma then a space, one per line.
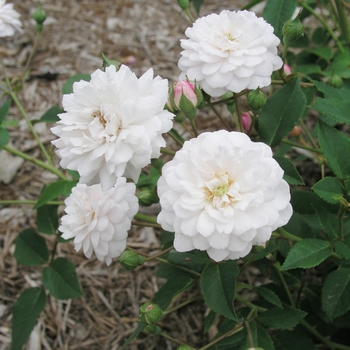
239, 327
167, 151
325, 24
175, 138
25, 116
278, 267
38, 162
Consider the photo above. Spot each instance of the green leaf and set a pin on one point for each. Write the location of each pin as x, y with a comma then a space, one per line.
252, 339
225, 327
53, 190
291, 340
47, 219
328, 221
26, 310
336, 148
61, 280
336, 109
281, 112
268, 295
271, 247
4, 110
331, 92
307, 253
31, 249
197, 5
277, 12
68, 85
329, 188
323, 52
342, 249
140, 327
264, 340
209, 320
4, 137
291, 174
336, 293
218, 284
171, 289
50, 116
307, 69
281, 318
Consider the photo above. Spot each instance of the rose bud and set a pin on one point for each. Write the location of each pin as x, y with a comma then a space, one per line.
130, 260
150, 313
256, 100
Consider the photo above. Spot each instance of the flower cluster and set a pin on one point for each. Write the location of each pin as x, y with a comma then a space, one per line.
231, 51
223, 193
99, 220
113, 125
9, 20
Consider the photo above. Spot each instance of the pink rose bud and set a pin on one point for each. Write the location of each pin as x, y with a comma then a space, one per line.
246, 121
296, 131
287, 70
186, 88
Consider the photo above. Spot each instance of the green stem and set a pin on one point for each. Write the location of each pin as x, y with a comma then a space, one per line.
220, 117
298, 145
175, 138
239, 327
320, 337
325, 24
307, 133
173, 339
288, 235
277, 265
167, 151
249, 334
27, 202
146, 218
343, 20
189, 15
239, 114
164, 261
188, 301
194, 128
224, 100
35, 161
35, 45
249, 304
157, 255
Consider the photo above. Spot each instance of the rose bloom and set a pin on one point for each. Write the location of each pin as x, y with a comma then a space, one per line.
232, 51
9, 20
113, 125
223, 193
99, 220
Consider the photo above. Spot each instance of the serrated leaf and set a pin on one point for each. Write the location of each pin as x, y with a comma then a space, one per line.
4, 137
51, 115
336, 293
268, 295
280, 113
225, 327
251, 340
331, 92
171, 289
140, 327
68, 85
218, 284
26, 310
271, 247
277, 12
31, 249
281, 318
264, 340
291, 174
336, 148
4, 110
342, 249
61, 280
47, 219
53, 190
336, 109
307, 253
328, 221
328, 188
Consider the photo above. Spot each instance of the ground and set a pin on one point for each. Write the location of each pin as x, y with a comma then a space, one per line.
142, 34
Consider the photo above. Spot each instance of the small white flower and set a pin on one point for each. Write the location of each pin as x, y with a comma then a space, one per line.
232, 51
223, 193
99, 220
9, 20
113, 125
